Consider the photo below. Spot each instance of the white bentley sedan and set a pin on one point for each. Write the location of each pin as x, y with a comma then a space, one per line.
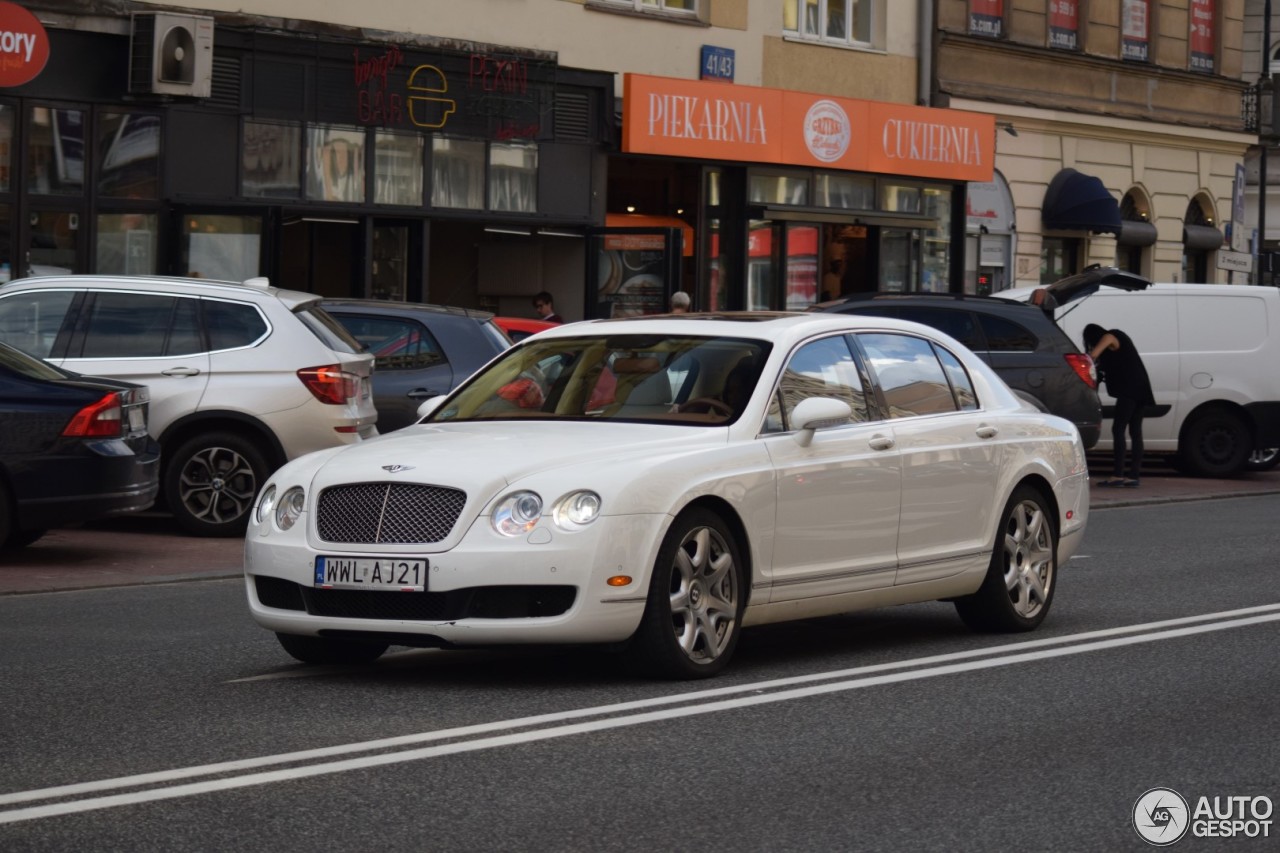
665, 483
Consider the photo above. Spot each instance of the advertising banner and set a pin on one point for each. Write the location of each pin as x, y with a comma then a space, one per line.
1064, 24
986, 18
1203, 15
1135, 30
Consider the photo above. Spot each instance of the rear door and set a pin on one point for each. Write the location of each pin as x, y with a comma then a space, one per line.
153, 339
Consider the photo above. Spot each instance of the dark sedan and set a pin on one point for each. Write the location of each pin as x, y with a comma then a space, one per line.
419, 350
72, 448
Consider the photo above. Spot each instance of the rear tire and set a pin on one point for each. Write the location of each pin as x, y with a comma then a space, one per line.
693, 616
211, 482
330, 650
1018, 590
1215, 444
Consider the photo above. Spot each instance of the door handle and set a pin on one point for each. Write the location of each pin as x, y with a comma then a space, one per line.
986, 431
421, 394
180, 371
881, 442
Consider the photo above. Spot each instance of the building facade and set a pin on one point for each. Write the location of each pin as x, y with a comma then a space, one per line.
477, 153
1121, 135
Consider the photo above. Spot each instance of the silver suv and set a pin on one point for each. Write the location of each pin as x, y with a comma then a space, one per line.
243, 376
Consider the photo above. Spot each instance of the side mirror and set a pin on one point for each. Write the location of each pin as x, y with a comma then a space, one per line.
429, 405
815, 413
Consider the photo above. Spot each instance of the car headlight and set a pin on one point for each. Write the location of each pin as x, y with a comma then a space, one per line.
290, 507
517, 513
266, 504
576, 510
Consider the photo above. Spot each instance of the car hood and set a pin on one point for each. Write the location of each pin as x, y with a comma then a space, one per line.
484, 457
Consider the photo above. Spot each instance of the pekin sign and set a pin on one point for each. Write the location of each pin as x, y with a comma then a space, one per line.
712, 121
24, 46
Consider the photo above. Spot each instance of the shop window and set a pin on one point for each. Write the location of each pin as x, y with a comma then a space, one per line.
126, 244
55, 152
335, 163
513, 177
1059, 258
936, 267
760, 280
845, 191
6, 235
221, 246
129, 155
1203, 35
847, 22
397, 168
55, 238
6, 148
779, 189
901, 199
1135, 30
986, 18
271, 160
457, 173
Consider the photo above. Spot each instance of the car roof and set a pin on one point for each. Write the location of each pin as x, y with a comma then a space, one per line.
971, 300
206, 286
784, 327
391, 307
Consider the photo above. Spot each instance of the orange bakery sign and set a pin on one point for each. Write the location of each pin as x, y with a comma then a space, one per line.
709, 120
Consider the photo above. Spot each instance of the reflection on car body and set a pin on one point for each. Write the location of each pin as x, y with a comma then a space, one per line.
665, 482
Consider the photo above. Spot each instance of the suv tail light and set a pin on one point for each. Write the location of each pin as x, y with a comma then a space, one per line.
99, 420
1083, 366
330, 384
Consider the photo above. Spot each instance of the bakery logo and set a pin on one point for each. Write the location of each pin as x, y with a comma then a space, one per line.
827, 131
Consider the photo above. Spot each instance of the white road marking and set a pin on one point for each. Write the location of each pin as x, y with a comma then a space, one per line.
844, 680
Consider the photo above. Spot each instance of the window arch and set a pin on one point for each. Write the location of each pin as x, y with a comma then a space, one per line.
1137, 233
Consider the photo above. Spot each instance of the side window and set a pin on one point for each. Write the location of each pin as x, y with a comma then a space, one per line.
822, 368
184, 334
127, 325
30, 321
1006, 336
232, 324
957, 324
909, 374
396, 344
961, 387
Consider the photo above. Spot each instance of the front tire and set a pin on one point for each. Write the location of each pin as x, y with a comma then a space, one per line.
211, 482
330, 650
1018, 589
693, 616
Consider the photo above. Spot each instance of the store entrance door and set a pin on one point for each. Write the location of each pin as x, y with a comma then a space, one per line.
324, 256
396, 260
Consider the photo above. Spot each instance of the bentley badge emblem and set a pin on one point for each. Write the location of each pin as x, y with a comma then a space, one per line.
396, 469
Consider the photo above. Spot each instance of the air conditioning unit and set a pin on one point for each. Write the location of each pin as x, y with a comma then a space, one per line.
171, 55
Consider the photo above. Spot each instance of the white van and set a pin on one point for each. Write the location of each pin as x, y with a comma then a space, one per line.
1213, 354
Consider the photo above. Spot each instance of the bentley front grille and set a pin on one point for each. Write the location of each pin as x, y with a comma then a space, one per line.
388, 513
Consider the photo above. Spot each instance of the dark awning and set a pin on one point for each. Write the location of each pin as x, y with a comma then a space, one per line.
1134, 232
1075, 201
1203, 237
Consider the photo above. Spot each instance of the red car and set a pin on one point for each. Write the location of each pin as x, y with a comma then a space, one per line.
518, 328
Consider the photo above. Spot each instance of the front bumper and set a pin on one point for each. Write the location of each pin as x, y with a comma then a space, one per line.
546, 587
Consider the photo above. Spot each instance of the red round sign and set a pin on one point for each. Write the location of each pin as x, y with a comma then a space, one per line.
24, 45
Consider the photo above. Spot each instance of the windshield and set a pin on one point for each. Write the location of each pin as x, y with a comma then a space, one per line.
638, 378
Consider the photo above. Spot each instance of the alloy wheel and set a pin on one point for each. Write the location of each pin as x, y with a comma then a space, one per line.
704, 595
1028, 565
217, 485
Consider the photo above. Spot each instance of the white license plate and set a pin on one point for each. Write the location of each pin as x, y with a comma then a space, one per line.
371, 573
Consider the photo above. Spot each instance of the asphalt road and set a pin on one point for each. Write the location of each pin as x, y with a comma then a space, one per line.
179, 725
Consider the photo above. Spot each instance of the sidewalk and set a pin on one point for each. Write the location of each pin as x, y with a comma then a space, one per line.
148, 548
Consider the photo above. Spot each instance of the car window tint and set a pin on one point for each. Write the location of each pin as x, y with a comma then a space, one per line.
330, 332
30, 321
396, 344
961, 386
232, 324
184, 331
127, 325
958, 324
910, 376
1006, 336
822, 368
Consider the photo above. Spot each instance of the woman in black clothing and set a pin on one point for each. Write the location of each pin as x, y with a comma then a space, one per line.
1121, 367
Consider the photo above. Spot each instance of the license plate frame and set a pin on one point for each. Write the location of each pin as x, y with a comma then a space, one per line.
380, 574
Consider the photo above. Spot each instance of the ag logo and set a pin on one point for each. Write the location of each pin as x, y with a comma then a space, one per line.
1161, 816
